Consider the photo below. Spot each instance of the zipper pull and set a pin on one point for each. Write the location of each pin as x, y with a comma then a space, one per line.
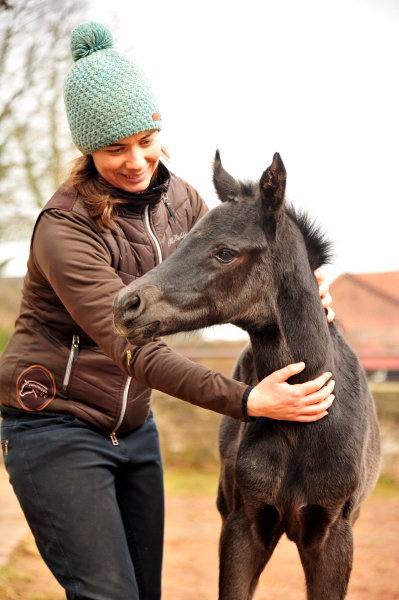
113, 439
75, 344
5, 446
165, 198
73, 357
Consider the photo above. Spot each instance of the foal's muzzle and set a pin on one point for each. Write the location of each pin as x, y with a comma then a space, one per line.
132, 317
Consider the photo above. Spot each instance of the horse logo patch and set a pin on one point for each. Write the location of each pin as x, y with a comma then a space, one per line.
35, 388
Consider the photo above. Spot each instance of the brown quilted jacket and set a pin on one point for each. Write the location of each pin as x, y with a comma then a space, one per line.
65, 354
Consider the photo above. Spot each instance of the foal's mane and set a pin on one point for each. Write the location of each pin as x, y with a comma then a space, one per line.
318, 246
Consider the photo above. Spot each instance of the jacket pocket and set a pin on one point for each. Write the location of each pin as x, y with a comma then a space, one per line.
33, 385
100, 392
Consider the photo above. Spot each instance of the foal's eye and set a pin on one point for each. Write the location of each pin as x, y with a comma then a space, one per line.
225, 256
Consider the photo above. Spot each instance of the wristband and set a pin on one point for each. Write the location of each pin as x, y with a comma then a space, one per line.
244, 403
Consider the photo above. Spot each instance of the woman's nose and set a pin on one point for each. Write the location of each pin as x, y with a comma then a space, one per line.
135, 160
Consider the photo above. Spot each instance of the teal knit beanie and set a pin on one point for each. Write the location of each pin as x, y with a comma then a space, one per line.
107, 96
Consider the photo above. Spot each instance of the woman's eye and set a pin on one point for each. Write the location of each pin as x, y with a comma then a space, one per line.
225, 256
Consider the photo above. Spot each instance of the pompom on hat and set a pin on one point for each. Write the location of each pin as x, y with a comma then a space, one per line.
107, 96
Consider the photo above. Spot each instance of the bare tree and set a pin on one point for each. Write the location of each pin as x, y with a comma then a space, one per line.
34, 138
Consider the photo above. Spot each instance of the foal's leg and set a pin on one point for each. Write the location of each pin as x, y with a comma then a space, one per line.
328, 565
242, 556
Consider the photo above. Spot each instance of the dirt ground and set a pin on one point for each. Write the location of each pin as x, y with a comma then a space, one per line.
191, 555
190, 567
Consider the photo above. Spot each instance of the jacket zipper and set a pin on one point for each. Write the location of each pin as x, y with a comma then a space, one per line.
129, 379
5, 446
165, 199
123, 411
147, 223
73, 357
159, 252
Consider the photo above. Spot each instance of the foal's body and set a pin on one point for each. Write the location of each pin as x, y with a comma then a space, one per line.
250, 262
305, 480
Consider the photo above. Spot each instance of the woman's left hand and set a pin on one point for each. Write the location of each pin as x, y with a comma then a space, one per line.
325, 295
305, 402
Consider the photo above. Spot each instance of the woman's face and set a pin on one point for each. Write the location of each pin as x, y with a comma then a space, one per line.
129, 164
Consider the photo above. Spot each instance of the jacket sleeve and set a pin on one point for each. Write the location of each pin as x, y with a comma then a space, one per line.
76, 263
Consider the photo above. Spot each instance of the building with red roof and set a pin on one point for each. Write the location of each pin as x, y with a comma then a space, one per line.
367, 308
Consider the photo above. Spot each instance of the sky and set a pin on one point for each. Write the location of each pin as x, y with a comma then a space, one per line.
316, 81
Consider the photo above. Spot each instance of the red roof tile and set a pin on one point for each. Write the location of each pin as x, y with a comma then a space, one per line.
381, 283
367, 305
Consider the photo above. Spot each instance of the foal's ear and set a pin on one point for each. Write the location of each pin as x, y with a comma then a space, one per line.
272, 195
272, 187
227, 188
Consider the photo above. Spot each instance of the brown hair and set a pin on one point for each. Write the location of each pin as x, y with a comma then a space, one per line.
95, 191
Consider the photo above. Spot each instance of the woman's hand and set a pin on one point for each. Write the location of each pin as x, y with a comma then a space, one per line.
273, 397
325, 295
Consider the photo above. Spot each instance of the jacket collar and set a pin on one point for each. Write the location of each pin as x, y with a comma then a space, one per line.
136, 201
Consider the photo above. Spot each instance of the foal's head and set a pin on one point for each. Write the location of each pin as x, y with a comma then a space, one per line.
230, 267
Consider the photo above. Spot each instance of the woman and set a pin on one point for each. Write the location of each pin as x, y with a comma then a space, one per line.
79, 441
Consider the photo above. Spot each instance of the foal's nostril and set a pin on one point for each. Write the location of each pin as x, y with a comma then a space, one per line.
126, 308
132, 305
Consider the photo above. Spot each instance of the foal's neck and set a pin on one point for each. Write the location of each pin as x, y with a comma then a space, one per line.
298, 331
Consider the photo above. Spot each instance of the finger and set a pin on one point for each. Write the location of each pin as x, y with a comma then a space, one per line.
309, 387
330, 314
326, 300
283, 374
311, 418
319, 275
317, 397
322, 406
317, 411
323, 289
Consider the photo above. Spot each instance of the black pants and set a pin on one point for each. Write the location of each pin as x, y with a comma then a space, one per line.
96, 510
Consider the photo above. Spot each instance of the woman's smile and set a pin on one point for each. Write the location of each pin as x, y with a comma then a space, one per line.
135, 178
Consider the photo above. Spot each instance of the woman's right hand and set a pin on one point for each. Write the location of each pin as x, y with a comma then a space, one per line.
274, 398
324, 292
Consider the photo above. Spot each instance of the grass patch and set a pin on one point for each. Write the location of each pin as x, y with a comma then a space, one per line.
4, 335
26, 575
9, 573
386, 488
190, 482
